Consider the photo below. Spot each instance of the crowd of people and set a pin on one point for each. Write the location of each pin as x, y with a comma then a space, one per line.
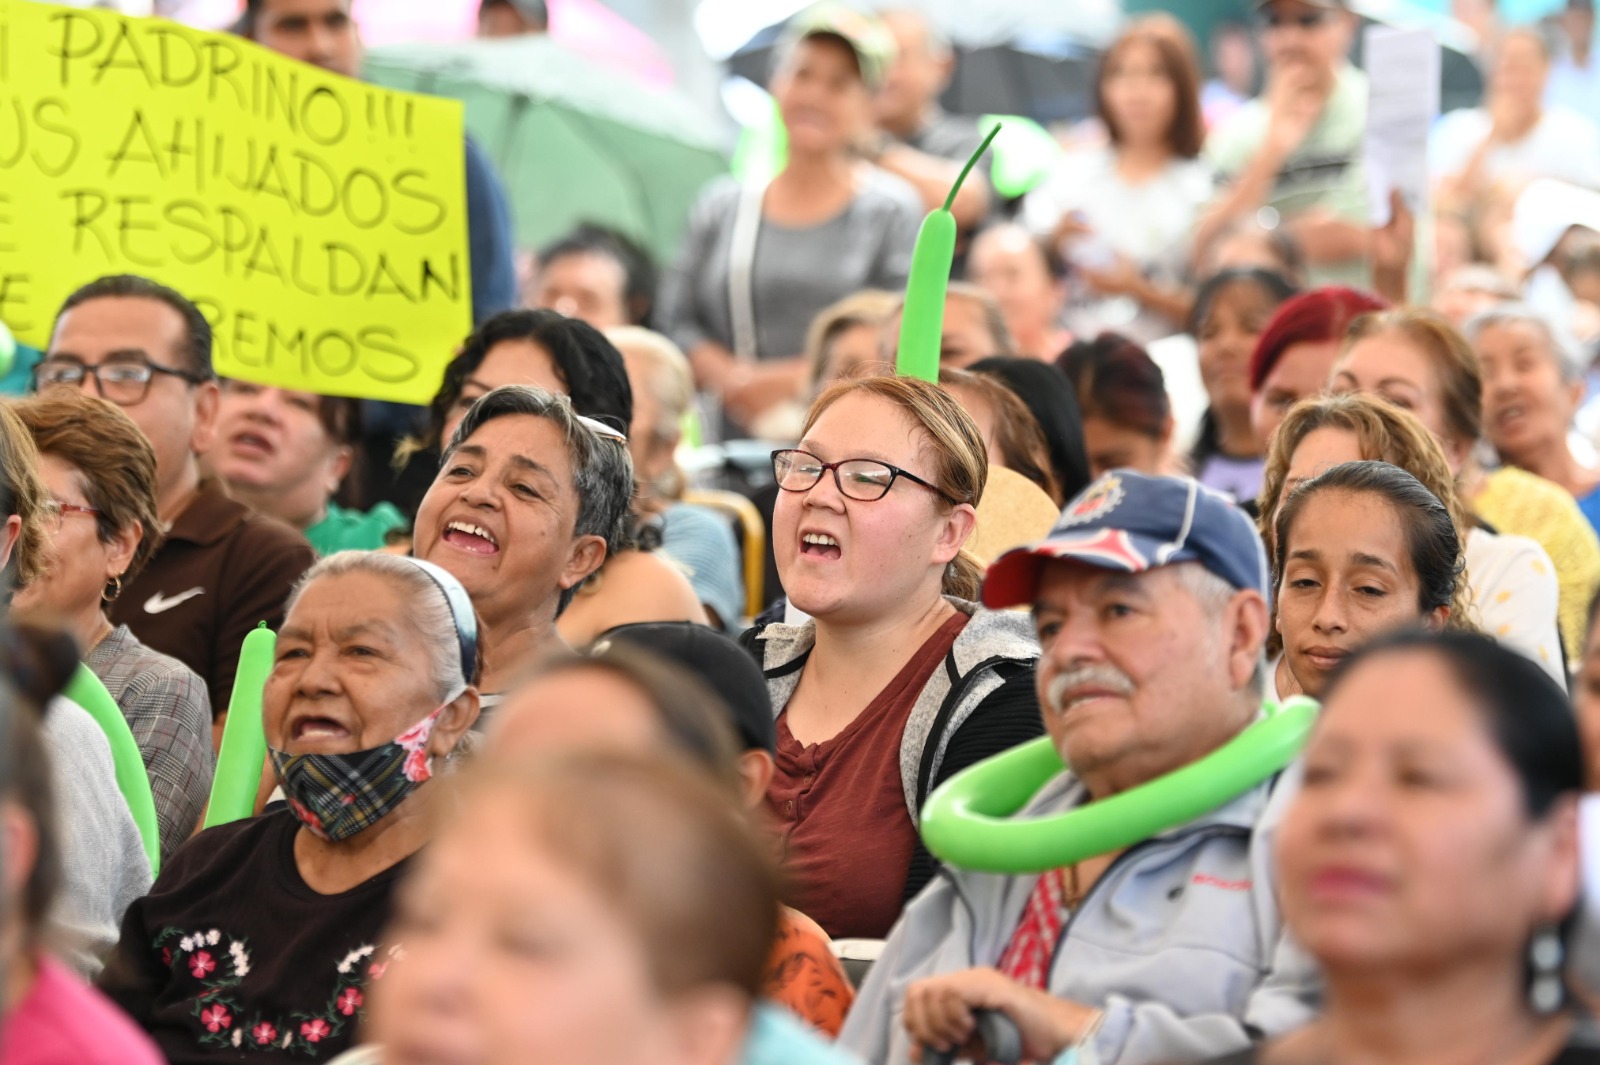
578, 750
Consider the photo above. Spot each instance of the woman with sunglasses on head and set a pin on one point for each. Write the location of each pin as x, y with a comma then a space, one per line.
899, 680
527, 505
564, 357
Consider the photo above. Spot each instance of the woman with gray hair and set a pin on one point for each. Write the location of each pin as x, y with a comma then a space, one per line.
262, 934
528, 500
1533, 384
695, 537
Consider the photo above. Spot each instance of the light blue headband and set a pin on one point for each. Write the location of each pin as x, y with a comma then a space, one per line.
460, 603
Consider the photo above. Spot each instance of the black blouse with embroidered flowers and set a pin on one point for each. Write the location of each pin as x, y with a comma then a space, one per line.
232, 956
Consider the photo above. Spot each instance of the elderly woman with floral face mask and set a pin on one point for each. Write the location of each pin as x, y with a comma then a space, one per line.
263, 933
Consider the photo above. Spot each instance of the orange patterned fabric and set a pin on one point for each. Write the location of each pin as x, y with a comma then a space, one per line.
804, 976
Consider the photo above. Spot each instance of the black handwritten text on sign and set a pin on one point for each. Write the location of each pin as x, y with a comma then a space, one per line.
319, 222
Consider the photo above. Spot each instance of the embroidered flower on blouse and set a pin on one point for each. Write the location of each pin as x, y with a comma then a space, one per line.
354, 957
350, 1001
216, 1018
315, 1031
201, 964
241, 960
264, 1033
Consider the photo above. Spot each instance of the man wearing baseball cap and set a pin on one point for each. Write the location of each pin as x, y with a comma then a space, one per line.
1292, 156
513, 18
1150, 601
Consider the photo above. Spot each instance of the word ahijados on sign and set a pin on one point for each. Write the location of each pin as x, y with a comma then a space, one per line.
320, 223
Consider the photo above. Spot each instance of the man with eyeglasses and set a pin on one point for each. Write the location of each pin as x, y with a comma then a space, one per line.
1292, 156
222, 568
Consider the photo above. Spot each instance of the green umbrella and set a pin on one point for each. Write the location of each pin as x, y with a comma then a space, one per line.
573, 141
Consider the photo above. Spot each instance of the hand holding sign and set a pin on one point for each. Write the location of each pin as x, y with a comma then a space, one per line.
320, 223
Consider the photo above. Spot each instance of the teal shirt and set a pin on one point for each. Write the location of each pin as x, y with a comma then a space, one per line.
778, 1037
354, 530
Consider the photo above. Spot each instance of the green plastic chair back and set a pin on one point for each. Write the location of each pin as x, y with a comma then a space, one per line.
244, 740
87, 691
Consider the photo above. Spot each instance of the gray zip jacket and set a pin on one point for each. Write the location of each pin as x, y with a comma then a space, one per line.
1180, 942
990, 640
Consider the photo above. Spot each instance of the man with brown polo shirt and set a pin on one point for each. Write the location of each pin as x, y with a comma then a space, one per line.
223, 568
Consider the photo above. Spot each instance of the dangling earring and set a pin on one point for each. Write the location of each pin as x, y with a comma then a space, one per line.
1547, 991
113, 588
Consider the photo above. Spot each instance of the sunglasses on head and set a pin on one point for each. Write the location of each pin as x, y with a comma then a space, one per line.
1305, 20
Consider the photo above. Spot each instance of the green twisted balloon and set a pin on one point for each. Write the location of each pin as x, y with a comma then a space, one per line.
922, 322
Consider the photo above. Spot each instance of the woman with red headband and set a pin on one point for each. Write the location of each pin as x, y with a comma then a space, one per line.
1295, 355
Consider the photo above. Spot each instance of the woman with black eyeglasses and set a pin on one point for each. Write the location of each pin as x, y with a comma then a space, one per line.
899, 679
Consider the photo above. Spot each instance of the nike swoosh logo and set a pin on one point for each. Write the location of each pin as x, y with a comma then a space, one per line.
160, 604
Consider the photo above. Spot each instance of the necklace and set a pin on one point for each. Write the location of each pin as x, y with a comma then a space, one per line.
1073, 894
105, 630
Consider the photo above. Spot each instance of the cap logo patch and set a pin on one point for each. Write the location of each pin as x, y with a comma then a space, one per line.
1108, 546
1098, 500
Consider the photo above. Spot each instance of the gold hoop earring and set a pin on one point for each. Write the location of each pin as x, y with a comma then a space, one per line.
113, 588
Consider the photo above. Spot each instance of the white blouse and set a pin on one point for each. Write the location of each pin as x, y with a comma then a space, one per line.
1515, 592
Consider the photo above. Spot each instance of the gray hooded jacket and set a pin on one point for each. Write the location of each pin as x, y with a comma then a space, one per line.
993, 645
1179, 942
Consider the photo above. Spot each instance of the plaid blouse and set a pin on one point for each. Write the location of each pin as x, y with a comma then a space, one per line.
169, 712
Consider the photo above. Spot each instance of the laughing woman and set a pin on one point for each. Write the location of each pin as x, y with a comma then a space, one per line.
900, 680
262, 934
526, 504
1533, 385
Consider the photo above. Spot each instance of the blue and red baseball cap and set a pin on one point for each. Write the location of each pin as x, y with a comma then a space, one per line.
1132, 522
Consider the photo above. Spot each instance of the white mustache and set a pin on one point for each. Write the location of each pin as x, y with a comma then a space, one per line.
1108, 677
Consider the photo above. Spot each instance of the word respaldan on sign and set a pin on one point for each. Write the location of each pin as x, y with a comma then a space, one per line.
319, 223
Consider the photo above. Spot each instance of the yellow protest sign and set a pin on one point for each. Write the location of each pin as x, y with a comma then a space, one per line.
320, 223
